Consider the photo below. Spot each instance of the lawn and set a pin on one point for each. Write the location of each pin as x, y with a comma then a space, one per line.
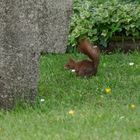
74, 108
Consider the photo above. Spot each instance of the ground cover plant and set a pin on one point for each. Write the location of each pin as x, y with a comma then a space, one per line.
103, 20
70, 108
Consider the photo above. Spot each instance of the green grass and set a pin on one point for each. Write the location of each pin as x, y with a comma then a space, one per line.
98, 116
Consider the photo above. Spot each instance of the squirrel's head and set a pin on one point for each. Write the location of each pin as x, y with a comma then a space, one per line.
70, 64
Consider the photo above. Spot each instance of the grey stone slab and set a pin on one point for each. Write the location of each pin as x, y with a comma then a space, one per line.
28, 27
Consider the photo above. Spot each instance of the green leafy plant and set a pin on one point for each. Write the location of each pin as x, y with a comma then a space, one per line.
100, 21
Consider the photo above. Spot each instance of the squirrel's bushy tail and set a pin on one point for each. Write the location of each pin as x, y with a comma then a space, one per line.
86, 48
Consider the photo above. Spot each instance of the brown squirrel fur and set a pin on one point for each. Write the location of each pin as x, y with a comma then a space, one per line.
85, 67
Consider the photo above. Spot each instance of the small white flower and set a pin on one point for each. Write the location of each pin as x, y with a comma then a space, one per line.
122, 117
42, 100
131, 64
102, 96
94, 46
73, 70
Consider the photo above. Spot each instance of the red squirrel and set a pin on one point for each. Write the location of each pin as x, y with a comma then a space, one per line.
85, 68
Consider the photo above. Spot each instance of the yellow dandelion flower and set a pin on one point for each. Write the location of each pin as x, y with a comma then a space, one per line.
107, 80
1, 129
107, 90
132, 106
71, 112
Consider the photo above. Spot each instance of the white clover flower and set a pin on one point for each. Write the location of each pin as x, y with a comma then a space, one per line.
73, 70
42, 100
131, 64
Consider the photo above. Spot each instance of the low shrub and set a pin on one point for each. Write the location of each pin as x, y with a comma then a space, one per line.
100, 21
